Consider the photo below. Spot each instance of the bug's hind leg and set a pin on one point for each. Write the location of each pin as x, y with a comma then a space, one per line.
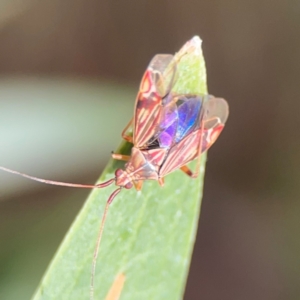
189, 172
125, 136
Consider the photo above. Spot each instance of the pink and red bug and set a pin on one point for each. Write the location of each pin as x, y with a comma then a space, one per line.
169, 130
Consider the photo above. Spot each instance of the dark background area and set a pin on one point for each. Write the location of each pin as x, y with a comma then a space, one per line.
69, 71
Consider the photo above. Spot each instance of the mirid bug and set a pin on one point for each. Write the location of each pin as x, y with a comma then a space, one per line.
169, 130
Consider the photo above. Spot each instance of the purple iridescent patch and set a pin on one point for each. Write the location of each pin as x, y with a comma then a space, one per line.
178, 121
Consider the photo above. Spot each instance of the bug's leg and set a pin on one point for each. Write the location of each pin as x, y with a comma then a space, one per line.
188, 171
120, 156
161, 181
99, 238
138, 184
124, 135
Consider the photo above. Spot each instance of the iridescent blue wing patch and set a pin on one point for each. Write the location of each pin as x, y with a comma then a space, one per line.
179, 118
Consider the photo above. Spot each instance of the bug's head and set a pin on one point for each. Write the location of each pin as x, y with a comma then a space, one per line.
123, 179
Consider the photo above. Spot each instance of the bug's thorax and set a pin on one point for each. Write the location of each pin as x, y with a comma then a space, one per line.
143, 164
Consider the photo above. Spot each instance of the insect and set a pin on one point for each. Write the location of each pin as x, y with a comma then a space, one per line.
169, 130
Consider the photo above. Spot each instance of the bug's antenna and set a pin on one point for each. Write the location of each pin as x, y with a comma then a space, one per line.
76, 185
109, 201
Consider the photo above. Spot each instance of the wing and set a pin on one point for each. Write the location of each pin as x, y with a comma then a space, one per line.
180, 117
157, 82
214, 119
214, 115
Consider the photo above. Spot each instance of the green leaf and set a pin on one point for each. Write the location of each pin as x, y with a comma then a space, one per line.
148, 235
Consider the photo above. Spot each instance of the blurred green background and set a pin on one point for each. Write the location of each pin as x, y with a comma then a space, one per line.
69, 73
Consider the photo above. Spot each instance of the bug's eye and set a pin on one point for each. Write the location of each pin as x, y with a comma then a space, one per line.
118, 172
128, 185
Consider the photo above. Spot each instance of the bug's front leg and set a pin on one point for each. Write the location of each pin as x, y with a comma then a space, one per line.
120, 156
125, 136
